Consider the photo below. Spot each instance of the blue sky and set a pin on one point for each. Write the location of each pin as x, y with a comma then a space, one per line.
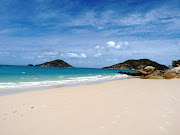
89, 33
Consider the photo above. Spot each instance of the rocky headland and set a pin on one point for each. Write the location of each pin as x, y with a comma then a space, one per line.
137, 65
55, 63
151, 72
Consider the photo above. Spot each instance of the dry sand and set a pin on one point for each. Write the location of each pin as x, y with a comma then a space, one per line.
122, 107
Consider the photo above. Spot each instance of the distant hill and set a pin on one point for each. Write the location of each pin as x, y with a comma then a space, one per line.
30, 65
55, 63
137, 64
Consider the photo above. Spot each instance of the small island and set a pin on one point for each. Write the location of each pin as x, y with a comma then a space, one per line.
55, 63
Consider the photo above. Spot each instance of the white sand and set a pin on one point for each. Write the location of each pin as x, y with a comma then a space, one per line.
122, 107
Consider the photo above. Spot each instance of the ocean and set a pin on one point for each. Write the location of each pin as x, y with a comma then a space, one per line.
24, 77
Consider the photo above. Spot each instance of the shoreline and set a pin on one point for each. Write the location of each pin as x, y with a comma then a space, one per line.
129, 106
9, 91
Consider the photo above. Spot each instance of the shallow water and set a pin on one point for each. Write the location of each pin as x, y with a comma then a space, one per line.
13, 77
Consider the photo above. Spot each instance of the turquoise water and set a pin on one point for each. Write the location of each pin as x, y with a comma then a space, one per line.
26, 77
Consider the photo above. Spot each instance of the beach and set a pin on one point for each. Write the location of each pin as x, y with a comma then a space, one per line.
120, 107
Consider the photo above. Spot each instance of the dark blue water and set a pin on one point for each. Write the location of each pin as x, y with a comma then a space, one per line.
24, 76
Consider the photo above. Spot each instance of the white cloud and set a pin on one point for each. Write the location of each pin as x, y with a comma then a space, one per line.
111, 44
83, 55
51, 53
28, 57
126, 43
40, 56
120, 45
102, 20
97, 55
74, 55
97, 47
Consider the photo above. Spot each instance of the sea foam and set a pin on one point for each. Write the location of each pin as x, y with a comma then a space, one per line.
65, 82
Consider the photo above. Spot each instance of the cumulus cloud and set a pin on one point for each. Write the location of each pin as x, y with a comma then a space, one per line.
111, 44
119, 45
93, 28
75, 55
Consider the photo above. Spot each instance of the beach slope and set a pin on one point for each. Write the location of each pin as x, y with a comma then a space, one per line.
121, 107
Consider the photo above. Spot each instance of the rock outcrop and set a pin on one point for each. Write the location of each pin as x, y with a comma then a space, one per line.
169, 74
150, 72
55, 63
154, 75
149, 69
176, 63
176, 70
137, 65
136, 73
